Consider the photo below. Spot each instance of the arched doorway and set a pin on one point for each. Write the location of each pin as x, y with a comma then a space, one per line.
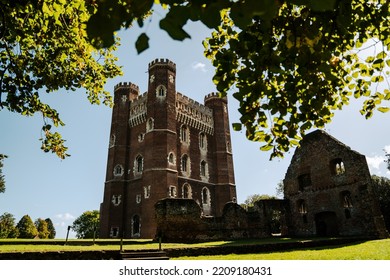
326, 224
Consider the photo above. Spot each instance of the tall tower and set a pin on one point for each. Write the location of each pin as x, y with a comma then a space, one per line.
164, 144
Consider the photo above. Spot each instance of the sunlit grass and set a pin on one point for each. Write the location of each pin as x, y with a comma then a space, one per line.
369, 250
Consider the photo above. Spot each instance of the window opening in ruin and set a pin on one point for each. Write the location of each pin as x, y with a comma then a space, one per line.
304, 181
136, 225
186, 191
138, 198
302, 206
346, 199
337, 166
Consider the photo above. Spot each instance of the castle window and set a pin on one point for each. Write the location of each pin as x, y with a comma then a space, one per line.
184, 134
147, 192
161, 91
135, 226
171, 158
228, 146
141, 137
186, 191
346, 199
205, 196
116, 200
202, 141
138, 198
185, 164
172, 191
118, 170
337, 166
114, 232
203, 168
150, 125
138, 165
304, 181
301, 206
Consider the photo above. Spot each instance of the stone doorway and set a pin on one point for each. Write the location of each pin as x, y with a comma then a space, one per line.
326, 224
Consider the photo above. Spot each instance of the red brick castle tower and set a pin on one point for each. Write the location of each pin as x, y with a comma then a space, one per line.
164, 144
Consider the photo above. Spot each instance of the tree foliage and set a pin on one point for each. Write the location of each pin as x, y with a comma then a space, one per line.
51, 228
42, 228
250, 200
44, 48
2, 179
381, 186
86, 224
26, 228
290, 63
7, 226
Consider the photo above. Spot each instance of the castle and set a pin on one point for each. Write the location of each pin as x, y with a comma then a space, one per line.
164, 145
170, 174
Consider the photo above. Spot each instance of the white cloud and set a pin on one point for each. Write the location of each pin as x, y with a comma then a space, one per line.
375, 162
65, 217
387, 149
199, 66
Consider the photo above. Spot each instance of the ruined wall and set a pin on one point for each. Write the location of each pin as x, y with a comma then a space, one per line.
328, 187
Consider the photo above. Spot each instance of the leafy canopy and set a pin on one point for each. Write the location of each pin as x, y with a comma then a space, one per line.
290, 63
86, 224
44, 48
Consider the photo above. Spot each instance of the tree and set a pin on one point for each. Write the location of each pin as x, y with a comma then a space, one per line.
51, 228
381, 186
42, 228
290, 63
7, 226
250, 200
44, 48
26, 228
2, 180
86, 224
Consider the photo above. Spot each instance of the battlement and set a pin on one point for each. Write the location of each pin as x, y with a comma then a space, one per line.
214, 95
127, 85
162, 62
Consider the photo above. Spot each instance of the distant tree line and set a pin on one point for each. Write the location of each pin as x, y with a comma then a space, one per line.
26, 228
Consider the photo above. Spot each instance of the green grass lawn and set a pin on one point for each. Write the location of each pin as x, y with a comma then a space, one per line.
369, 250
364, 250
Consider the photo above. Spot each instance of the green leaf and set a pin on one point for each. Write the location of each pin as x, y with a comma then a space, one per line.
266, 147
237, 126
142, 43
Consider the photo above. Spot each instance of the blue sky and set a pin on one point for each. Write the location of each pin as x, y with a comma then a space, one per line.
43, 186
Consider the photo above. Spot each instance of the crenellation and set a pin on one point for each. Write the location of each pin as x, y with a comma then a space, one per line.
128, 85
162, 62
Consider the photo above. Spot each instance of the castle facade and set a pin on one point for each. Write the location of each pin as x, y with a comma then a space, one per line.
164, 145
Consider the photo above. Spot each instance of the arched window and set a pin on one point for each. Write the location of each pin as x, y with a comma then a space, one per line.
185, 164
206, 196
140, 163
186, 191
203, 168
112, 141
161, 91
337, 166
184, 134
346, 199
202, 141
116, 200
118, 170
302, 206
171, 158
150, 125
